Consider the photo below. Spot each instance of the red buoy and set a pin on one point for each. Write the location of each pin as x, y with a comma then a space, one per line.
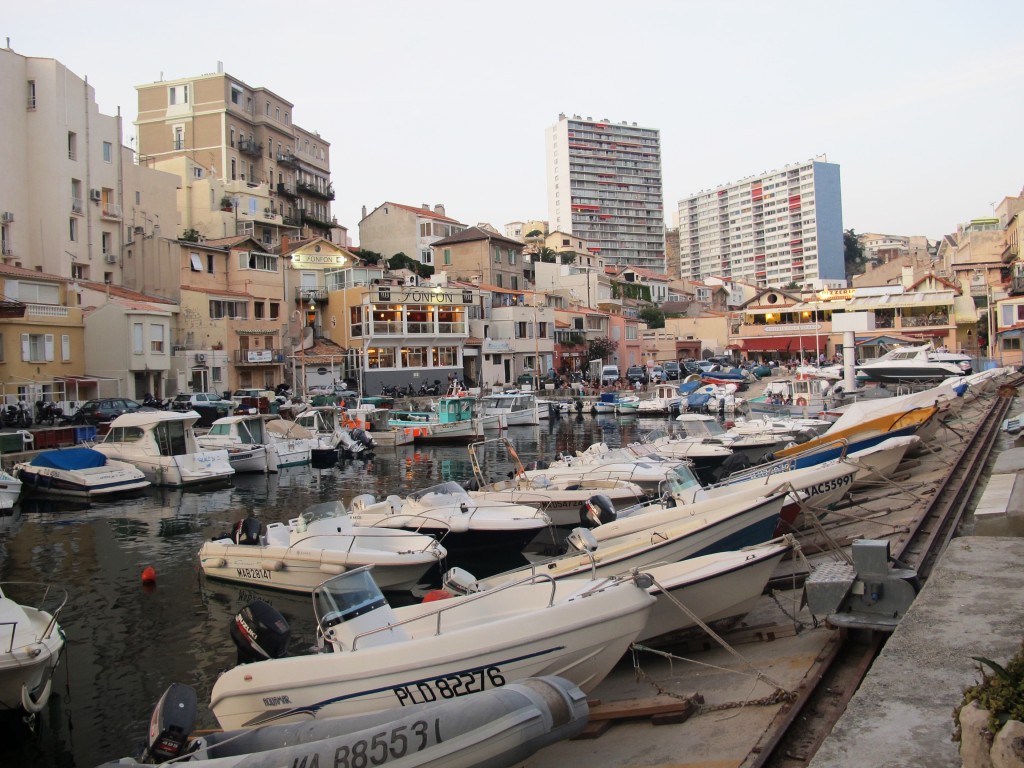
149, 575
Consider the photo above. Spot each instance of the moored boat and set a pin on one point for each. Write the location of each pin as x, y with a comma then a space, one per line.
79, 473
10, 489
518, 408
452, 421
31, 646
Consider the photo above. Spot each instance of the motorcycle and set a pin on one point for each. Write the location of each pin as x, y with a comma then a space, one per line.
430, 390
17, 415
48, 411
148, 401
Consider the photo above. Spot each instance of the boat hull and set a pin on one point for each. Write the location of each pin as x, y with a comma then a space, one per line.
80, 485
31, 650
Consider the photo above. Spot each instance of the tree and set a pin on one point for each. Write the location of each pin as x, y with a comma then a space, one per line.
401, 261
853, 255
601, 347
367, 257
547, 255
534, 233
190, 235
568, 257
653, 316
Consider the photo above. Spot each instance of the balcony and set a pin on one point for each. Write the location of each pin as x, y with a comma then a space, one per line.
287, 190
327, 192
250, 147
47, 310
111, 211
310, 294
291, 221
287, 159
313, 221
258, 356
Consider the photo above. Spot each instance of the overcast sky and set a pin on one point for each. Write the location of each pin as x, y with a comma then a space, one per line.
920, 103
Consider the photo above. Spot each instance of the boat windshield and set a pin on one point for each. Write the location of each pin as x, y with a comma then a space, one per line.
653, 436
346, 596
681, 480
323, 511
702, 428
448, 493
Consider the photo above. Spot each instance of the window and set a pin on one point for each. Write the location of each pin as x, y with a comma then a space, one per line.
73, 230
414, 357
511, 256
382, 357
234, 310
236, 94
72, 146
215, 373
427, 256
514, 282
498, 282
179, 137
275, 310
209, 263
524, 330
31, 94
108, 152
445, 356
65, 348
37, 347
258, 308
630, 333
264, 262
497, 255
197, 263
105, 242
156, 338
234, 170
137, 342
177, 94
1011, 344
447, 256
32, 293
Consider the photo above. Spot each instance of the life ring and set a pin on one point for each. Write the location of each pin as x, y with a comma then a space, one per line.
801, 401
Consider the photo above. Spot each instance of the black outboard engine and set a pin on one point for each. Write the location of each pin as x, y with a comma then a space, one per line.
247, 531
360, 435
259, 632
172, 721
597, 510
737, 462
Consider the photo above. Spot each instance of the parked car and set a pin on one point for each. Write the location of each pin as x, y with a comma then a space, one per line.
657, 374
672, 370
609, 375
103, 409
691, 366
637, 373
190, 402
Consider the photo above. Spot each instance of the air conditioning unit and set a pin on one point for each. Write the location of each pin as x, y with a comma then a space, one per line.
95, 196
200, 358
7, 217
138, 230
110, 258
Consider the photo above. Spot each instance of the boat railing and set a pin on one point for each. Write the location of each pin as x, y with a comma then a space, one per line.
474, 458
442, 609
785, 464
429, 543
59, 596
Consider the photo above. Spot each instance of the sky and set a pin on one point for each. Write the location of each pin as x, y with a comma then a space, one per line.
919, 103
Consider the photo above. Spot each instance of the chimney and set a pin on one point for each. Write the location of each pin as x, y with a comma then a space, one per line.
908, 275
364, 212
425, 206
284, 244
439, 209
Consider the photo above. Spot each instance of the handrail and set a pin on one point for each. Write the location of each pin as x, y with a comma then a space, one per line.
462, 601
39, 605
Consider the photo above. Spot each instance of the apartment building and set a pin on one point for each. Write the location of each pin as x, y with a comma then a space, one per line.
72, 201
246, 168
481, 257
777, 228
605, 185
393, 228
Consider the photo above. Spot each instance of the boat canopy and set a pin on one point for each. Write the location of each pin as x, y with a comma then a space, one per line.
70, 459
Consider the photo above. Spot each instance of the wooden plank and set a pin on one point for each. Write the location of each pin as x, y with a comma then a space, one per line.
658, 705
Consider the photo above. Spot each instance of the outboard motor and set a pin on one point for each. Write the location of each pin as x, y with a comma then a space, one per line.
360, 435
259, 632
172, 721
247, 531
597, 510
737, 462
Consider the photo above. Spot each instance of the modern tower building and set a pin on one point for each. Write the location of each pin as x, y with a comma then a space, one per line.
604, 185
774, 229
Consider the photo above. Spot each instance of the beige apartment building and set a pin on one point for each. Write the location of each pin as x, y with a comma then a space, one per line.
247, 169
481, 257
392, 228
72, 201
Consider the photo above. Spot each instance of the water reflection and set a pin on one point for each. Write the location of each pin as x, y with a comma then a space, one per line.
127, 643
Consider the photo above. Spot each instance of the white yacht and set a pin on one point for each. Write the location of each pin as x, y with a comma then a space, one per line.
920, 363
163, 445
518, 408
252, 447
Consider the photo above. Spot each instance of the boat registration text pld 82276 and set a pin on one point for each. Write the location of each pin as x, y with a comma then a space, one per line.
449, 686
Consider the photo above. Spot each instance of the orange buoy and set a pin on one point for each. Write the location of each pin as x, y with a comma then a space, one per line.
149, 575
436, 594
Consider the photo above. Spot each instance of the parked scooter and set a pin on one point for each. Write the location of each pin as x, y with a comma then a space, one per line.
48, 412
18, 415
148, 401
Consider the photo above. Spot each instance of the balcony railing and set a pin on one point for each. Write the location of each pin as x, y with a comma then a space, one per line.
250, 147
111, 211
311, 294
179, 144
288, 159
259, 356
47, 310
286, 189
327, 192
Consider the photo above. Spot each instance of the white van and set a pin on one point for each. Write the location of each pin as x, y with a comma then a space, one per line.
609, 374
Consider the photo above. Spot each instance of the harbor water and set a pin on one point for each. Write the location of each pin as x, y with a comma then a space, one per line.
126, 642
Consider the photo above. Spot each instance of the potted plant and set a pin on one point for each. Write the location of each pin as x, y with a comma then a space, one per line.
226, 203
990, 716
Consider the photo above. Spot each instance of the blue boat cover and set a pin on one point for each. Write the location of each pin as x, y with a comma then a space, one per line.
609, 397
70, 458
698, 399
689, 386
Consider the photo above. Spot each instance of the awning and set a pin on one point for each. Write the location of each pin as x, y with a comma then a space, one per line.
773, 344
964, 310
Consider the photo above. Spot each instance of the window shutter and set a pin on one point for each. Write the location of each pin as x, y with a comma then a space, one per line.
48, 346
26, 348
65, 348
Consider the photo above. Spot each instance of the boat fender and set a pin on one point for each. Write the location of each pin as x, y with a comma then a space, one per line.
332, 568
259, 632
801, 401
215, 562
272, 565
436, 594
362, 501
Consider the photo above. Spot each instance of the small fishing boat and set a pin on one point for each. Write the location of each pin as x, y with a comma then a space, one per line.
321, 542
495, 727
452, 421
163, 445
252, 446
615, 402
375, 657
800, 395
10, 489
665, 399
31, 643
518, 409
81, 473
464, 524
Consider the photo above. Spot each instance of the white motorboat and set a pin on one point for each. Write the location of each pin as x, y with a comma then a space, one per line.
800, 395
519, 409
701, 428
704, 456
464, 524
335, 433
649, 471
453, 420
79, 473
915, 363
497, 727
31, 642
163, 445
321, 542
253, 446
10, 489
664, 399
377, 657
